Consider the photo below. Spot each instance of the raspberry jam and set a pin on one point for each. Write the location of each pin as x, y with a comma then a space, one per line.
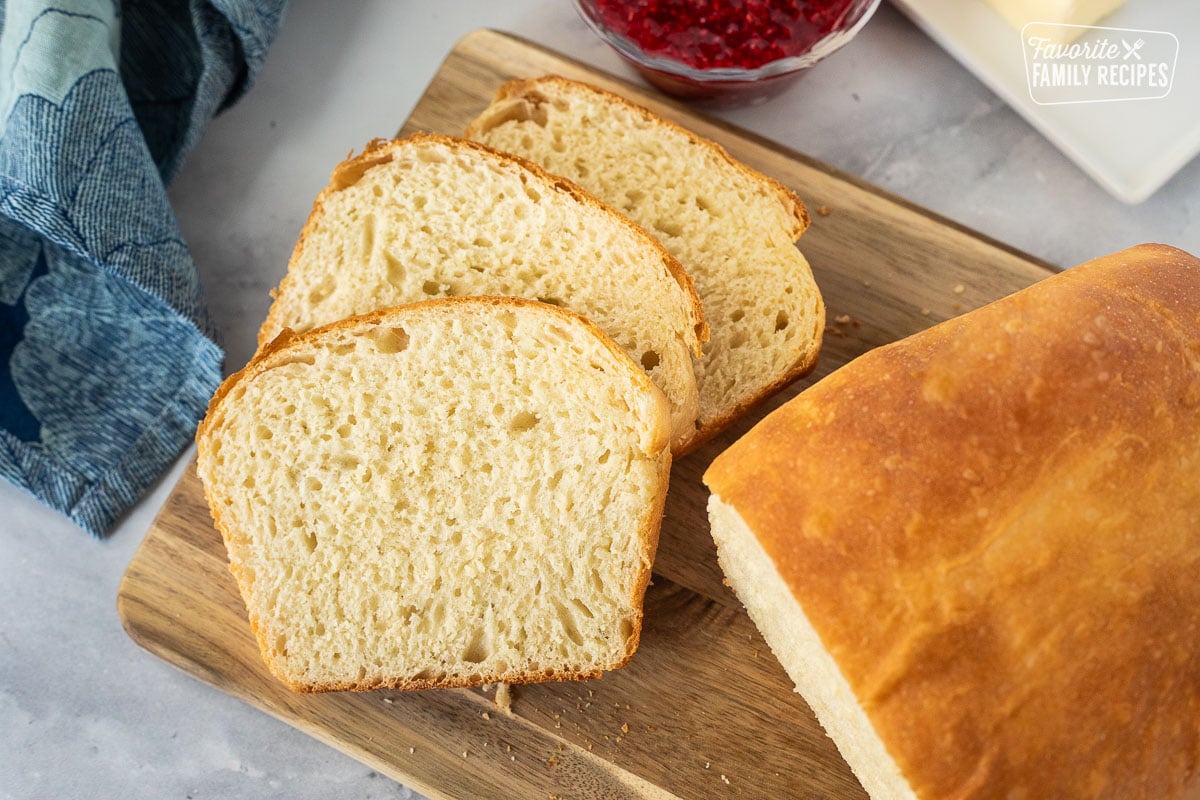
729, 51
723, 34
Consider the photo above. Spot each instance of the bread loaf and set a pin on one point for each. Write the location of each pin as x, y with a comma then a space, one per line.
433, 216
450, 493
733, 229
976, 550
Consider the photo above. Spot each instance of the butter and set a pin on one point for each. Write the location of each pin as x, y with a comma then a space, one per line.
1068, 12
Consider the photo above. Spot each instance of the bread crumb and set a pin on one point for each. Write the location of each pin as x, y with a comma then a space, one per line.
387, 700
486, 715
707, 764
504, 698
726, 780
551, 762
925, 312
624, 727
412, 750
959, 289
651, 728
842, 319
824, 211
464, 753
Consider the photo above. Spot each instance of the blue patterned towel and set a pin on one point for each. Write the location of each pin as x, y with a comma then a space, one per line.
107, 356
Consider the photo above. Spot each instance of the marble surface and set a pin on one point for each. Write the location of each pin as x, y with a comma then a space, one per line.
83, 711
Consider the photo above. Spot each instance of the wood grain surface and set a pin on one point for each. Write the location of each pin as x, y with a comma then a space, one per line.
703, 710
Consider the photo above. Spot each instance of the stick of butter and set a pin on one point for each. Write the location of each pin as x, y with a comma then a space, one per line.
1069, 12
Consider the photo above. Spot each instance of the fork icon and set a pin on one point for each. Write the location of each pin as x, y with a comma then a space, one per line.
1132, 49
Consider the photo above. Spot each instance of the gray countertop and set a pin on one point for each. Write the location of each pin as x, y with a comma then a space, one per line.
83, 711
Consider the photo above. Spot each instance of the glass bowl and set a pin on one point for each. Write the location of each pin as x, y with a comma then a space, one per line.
726, 51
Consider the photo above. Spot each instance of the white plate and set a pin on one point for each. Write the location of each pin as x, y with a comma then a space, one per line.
1130, 148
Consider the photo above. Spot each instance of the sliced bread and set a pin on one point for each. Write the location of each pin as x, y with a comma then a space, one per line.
733, 229
432, 216
449, 493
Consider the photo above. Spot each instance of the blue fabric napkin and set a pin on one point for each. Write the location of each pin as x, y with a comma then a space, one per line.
107, 355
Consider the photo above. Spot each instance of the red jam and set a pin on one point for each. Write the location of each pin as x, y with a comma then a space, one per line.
708, 34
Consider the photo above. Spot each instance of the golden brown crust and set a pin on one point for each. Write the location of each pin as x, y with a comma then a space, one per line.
288, 344
529, 89
994, 526
382, 151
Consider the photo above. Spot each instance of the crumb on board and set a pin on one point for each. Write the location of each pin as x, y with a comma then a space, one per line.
486, 715
843, 319
824, 211
726, 780
504, 698
925, 312
387, 700
959, 289
624, 727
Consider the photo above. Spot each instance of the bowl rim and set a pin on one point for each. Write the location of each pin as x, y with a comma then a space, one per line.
824, 47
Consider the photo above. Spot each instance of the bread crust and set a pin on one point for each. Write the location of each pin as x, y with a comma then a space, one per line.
288, 344
994, 527
380, 151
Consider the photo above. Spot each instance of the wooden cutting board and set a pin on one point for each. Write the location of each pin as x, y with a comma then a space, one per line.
704, 710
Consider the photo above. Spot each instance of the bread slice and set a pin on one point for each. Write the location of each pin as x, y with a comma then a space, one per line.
975, 550
433, 216
449, 493
732, 228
